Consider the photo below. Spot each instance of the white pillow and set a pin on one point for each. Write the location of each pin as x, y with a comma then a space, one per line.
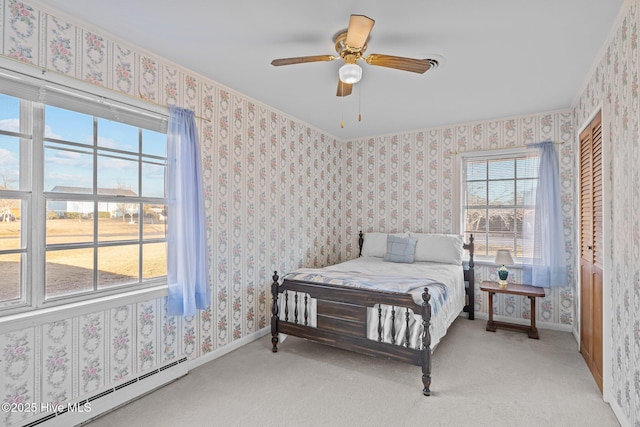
375, 244
444, 248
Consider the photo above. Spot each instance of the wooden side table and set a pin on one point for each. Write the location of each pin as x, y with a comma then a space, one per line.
514, 289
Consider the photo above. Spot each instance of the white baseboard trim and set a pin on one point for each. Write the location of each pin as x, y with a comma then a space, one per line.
115, 397
107, 400
219, 352
576, 336
539, 325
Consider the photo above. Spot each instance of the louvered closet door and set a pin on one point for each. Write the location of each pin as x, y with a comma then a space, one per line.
591, 247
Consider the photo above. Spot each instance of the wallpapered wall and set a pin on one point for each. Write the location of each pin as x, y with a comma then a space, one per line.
614, 84
280, 193
409, 182
271, 190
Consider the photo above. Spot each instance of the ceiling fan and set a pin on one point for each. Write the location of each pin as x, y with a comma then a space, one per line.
350, 46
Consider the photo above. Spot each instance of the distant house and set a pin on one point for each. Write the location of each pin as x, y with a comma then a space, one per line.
85, 208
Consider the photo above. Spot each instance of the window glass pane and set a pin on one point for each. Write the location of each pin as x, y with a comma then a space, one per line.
477, 193
526, 191
10, 224
154, 143
118, 136
525, 232
501, 234
501, 169
118, 265
10, 267
502, 221
501, 193
119, 227
69, 271
117, 176
9, 163
154, 224
476, 170
476, 220
9, 113
153, 180
69, 221
67, 169
500, 241
154, 260
68, 125
502, 229
527, 167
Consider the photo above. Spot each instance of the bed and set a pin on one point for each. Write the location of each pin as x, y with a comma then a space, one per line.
377, 305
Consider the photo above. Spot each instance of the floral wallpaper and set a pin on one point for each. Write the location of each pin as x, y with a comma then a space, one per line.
271, 190
614, 85
407, 182
281, 194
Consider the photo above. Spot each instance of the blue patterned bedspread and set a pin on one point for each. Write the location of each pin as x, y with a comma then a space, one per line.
388, 283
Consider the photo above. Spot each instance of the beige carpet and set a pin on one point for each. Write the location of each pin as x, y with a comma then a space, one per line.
479, 379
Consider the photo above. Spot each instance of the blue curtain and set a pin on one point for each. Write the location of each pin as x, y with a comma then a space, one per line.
548, 266
187, 262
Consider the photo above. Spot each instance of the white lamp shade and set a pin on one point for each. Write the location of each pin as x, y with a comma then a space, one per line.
503, 257
350, 73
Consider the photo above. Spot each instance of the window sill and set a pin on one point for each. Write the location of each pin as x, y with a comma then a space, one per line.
488, 261
41, 316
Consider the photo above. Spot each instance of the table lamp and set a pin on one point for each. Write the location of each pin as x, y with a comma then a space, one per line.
503, 257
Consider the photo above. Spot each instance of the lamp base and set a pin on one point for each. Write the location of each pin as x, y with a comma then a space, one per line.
503, 273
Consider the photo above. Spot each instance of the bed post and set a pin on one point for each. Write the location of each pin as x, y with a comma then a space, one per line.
274, 312
470, 277
360, 242
472, 281
426, 342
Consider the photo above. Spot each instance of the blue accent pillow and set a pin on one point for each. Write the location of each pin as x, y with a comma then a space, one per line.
400, 249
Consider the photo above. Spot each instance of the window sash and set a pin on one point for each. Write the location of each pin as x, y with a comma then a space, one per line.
33, 94
497, 228
81, 97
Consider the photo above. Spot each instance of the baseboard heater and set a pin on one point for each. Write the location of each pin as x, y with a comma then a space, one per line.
107, 400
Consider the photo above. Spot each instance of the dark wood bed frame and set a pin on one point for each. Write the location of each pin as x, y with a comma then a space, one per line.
342, 317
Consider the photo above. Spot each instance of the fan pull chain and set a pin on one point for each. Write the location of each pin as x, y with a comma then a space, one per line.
359, 104
342, 101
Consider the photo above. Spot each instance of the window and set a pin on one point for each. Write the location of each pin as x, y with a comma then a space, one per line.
15, 139
82, 197
499, 202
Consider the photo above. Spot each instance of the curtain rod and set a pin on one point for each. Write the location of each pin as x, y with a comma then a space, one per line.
456, 152
46, 70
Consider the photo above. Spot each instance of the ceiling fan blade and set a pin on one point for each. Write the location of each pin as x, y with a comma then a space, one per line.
358, 32
302, 60
344, 89
401, 63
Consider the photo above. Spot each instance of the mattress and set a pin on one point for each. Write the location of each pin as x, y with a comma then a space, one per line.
445, 281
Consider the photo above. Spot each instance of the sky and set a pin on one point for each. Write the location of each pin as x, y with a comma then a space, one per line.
72, 165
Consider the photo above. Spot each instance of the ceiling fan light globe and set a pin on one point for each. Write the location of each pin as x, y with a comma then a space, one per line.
350, 73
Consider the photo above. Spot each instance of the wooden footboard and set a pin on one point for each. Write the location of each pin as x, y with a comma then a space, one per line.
341, 317
342, 321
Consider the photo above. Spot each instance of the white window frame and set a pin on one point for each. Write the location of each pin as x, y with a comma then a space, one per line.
27, 84
492, 154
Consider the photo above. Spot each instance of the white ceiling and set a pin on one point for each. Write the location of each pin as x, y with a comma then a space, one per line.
499, 58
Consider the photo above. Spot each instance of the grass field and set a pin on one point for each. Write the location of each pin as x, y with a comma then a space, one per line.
71, 270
